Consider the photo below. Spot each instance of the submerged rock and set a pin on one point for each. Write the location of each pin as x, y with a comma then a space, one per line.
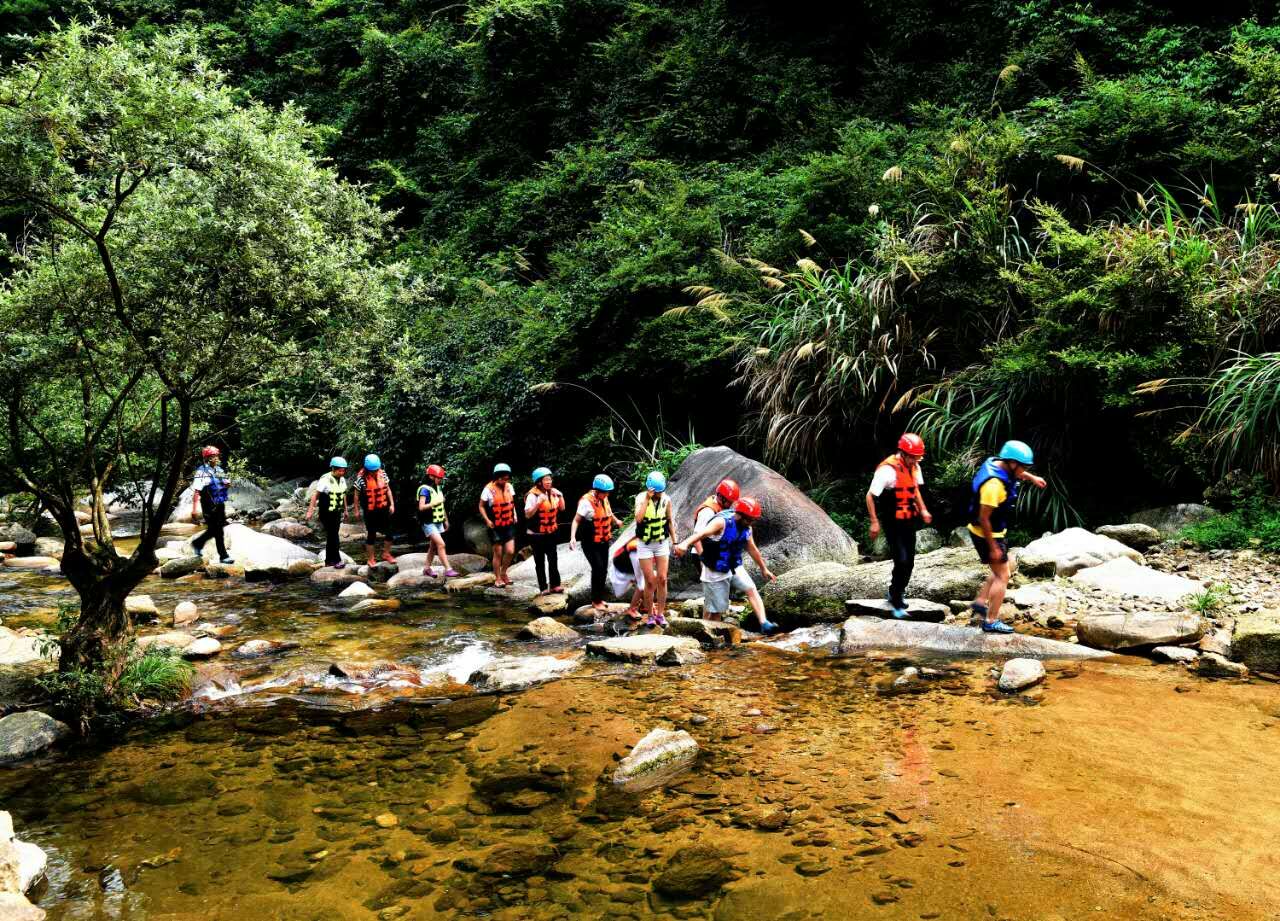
1212, 665
861, 634
1124, 577
644, 648
28, 733
519, 672
548, 630
1256, 639
917, 609
1070, 551
169, 787
1020, 673
375, 605
656, 759
255, 649
692, 873
1133, 631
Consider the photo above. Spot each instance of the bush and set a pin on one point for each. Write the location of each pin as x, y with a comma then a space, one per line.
1255, 523
156, 675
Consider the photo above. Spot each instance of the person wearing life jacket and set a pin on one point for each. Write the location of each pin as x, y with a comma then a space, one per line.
896, 507
498, 509
377, 503
625, 574
725, 538
727, 493
209, 488
596, 515
656, 531
434, 520
542, 508
329, 495
994, 493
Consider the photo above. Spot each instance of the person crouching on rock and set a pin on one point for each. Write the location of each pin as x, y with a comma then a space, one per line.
656, 530
594, 510
373, 490
994, 494
724, 540
626, 575
330, 495
896, 507
210, 487
498, 509
434, 520
542, 508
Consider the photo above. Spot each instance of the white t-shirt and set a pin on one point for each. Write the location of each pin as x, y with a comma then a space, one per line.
533, 500
709, 575
886, 476
586, 510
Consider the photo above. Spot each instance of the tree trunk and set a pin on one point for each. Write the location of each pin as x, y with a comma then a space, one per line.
96, 643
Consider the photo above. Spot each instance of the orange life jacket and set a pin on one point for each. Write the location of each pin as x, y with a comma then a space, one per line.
601, 517
620, 555
502, 507
900, 505
377, 490
546, 520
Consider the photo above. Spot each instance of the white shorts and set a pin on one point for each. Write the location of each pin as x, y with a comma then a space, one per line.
655, 550
622, 582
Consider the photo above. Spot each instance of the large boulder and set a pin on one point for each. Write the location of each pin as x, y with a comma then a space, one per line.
243, 497
263, 556
1123, 576
642, 648
817, 593
289, 529
794, 531
1256, 640
477, 537
1134, 631
1170, 519
22, 659
28, 733
863, 634
1138, 536
518, 672
656, 759
1070, 551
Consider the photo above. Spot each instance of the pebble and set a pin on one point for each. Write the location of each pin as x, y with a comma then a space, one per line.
386, 820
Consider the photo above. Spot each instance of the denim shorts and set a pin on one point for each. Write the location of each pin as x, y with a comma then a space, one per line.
430, 528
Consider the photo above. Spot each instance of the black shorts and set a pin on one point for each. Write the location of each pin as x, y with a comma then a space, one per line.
377, 521
503, 534
984, 551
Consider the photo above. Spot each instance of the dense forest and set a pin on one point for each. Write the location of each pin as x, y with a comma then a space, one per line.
623, 227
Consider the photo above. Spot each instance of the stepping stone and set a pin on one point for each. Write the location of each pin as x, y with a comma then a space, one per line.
466, 583
644, 648
589, 615
1132, 631
918, 609
863, 634
549, 604
707, 632
30, 562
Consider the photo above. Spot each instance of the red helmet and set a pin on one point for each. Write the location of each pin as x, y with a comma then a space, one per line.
912, 444
209, 451
435, 470
728, 491
748, 507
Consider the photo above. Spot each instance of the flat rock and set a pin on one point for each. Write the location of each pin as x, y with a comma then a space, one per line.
1020, 673
1171, 519
204, 647
28, 733
182, 565
586, 614
171, 639
1256, 640
917, 609
18, 648
381, 571
289, 529
263, 556
407, 580
356, 590
657, 759
1212, 665
185, 612
1181, 654
335, 578
518, 672
1070, 551
548, 630
30, 562
140, 606
862, 634
681, 655
1035, 595
1134, 631
1125, 577
1134, 534
468, 583
549, 604
375, 605
714, 633
645, 648
462, 562
256, 649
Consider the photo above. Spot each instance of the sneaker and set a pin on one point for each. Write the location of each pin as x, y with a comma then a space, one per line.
451, 573
901, 614
768, 627
339, 565
660, 619
227, 561
996, 626
429, 572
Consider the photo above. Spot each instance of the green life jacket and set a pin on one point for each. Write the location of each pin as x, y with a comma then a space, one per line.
653, 527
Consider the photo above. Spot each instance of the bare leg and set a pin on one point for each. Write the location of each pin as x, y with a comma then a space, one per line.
386, 551
497, 564
995, 595
431, 552
508, 554
650, 582
369, 552
985, 591
437, 544
757, 605
660, 590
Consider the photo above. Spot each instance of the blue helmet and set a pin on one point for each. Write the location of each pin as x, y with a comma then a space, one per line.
372, 462
602, 482
1018, 451
540, 472
656, 480
338, 461
501, 468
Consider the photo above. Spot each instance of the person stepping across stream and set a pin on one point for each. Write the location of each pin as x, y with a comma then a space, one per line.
498, 509
210, 488
329, 495
595, 514
434, 520
896, 506
724, 539
994, 495
378, 505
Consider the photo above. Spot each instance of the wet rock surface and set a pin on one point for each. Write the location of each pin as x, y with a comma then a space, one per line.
1131, 631
645, 648
917, 609
29, 733
658, 758
860, 634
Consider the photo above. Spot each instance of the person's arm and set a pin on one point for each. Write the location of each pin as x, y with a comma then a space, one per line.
311, 506
573, 532
1029, 477
754, 552
924, 511
484, 512
984, 522
355, 503
391, 498
874, 530
715, 526
671, 520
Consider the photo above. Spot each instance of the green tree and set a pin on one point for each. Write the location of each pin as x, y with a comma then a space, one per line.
180, 246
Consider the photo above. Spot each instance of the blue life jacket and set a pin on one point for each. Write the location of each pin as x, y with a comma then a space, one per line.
992, 469
724, 553
216, 492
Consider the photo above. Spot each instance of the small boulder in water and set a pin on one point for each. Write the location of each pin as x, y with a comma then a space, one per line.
1134, 534
140, 606
182, 565
1212, 665
28, 733
548, 630
356, 590
254, 649
518, 672
374, 605
30, 562
655, 760
1183, 654
185, 613
203, 648
693, 873
1020, 673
